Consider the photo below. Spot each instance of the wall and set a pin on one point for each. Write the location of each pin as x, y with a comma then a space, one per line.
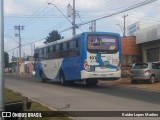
149, 45
129, 46
130, 51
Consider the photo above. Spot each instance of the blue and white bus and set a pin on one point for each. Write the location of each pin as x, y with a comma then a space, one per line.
89, 57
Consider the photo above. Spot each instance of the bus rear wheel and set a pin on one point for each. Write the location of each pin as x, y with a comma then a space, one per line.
43, 78
91, 82
62, 78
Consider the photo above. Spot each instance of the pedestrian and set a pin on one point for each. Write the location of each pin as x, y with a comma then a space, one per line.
133, 64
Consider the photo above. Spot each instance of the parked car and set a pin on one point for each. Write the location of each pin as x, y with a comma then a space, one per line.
145, 71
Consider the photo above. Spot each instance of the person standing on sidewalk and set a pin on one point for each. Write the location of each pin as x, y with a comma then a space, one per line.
133, 64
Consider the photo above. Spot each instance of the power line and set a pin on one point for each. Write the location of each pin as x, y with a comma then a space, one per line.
118, 12
13, 49
11, 38
32, 20
112, 14
60, 12
82, 21
30, 17
27, 44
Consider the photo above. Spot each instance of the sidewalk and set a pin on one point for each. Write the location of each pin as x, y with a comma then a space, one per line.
126, 82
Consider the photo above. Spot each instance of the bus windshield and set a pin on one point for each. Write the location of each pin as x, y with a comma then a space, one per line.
102, 43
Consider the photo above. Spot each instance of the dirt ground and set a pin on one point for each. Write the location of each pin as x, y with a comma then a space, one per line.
126, 82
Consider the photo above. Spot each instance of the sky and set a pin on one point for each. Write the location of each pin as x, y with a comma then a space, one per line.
39, 18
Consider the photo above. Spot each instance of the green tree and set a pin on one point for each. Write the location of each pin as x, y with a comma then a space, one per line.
6, 59
53, 36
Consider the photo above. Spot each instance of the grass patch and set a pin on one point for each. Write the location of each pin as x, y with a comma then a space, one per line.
11, 96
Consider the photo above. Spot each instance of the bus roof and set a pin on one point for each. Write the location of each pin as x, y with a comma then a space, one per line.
70, 37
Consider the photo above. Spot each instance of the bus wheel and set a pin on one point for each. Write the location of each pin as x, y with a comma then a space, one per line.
91, 82
62, 78
43, 78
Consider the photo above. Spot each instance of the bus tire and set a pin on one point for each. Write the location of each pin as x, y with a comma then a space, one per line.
91, 82
43, 78
62, 78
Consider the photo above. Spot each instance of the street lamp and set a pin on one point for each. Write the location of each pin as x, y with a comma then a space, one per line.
121, 28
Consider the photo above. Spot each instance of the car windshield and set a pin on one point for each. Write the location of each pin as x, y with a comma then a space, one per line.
140, 66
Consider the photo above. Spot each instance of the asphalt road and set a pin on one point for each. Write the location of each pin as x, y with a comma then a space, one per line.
81, 98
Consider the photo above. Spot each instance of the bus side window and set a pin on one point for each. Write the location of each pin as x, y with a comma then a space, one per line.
67, 45
65, 52
57, 51
45, 53
41, 55
57, 47
36, 55
74, 48
78, 44
61, 47
71, 45
52, 52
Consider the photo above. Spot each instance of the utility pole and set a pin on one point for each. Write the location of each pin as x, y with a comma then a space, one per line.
93, 26
1, 58
73, 22
19, 28
17, 65
31, 50
124, 28
71, 12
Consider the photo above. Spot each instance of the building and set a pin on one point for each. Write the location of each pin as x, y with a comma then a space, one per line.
149, 41
130, 51
135, 27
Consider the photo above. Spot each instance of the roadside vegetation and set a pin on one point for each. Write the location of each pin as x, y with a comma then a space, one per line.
11, 96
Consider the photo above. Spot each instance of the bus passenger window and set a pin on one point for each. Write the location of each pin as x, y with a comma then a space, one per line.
41, 55
64, 46
53, 48
67, 45
71, 45
45, 53
77, 45
57, 48
61, 47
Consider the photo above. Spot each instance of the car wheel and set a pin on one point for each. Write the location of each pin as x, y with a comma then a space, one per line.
152, 79
134, 81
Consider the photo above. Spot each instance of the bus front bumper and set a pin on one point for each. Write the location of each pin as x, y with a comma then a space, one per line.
104, 75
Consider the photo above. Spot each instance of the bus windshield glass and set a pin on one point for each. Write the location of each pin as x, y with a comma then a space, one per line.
102, 43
